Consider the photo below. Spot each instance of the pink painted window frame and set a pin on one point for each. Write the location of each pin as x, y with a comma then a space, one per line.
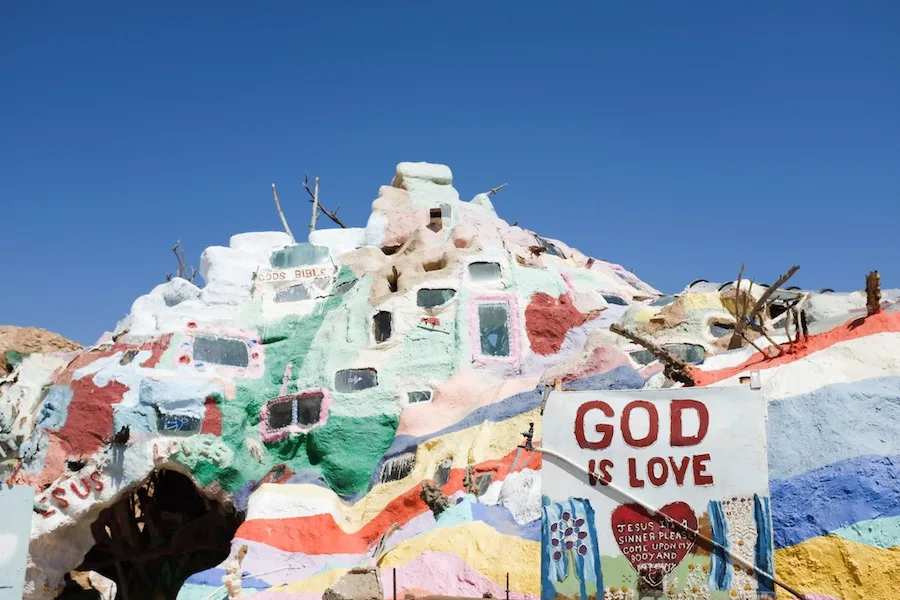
274, 435
515, 345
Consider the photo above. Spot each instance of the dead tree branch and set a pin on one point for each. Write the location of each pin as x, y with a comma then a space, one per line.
182, 270
281, 214
675, 368
497, 189
748, 318
314, 198
315, 211
873, 293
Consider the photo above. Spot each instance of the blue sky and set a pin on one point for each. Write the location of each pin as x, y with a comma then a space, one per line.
679, 139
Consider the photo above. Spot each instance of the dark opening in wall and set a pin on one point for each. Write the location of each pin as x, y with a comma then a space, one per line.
435, 265
295, 293
613, 299
776, 310
355, 380
664, 301
75, 465
221, 351
442, 473
154, 538
281, 414
435, 220
381, 325
389, 250
719, 330
550, 248
303, 409
418, 396
398, 467
429, 298
493, 328
484, 272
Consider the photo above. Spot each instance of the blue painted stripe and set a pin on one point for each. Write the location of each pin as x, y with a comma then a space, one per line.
764, 550
835, 431
720, 568
839, 495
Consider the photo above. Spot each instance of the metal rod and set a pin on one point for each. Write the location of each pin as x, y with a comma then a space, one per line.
670, 521
507, 586
395, 583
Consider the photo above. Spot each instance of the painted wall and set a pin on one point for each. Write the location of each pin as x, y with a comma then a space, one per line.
274, 388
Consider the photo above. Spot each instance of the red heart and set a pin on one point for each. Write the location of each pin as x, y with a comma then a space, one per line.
651, 546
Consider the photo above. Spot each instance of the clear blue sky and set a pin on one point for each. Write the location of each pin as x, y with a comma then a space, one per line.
679, 139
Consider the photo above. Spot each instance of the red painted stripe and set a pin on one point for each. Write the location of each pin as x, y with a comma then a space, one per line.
319, 534
880, 323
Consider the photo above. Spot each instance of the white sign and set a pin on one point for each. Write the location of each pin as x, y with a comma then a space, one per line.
697, 456
299, 273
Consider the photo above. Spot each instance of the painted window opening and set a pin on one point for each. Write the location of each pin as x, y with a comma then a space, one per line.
493, 328
391, 250
483, 482
613, 299
485, 272
719, 330
398, 467
381, 325
355, 380
176, 423
221, 351
435, 220
295, 293
295, 410
418, 396
432, 297
442, 473
690, 353
128, 356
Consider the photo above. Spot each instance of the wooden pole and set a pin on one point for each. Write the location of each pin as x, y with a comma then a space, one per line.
315, 215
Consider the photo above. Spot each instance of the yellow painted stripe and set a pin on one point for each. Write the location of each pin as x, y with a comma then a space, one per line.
840, 568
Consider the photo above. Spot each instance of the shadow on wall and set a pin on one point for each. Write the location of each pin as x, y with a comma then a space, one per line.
150, 542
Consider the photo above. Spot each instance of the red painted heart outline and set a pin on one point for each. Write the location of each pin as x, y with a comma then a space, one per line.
645, 525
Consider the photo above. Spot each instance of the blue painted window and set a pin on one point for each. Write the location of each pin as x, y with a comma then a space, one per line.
355, 380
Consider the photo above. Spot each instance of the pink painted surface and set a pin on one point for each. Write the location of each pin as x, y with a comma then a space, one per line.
464, 393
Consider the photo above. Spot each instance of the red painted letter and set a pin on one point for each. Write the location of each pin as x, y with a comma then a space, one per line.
626, 424
604, 467
605, 431
700, 476
676, 432
633, 481
58, 494
655, 479
680, 470
98, 484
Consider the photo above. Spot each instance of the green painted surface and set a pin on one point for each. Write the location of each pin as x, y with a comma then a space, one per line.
881, 533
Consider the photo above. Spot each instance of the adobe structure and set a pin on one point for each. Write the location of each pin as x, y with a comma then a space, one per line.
356, 404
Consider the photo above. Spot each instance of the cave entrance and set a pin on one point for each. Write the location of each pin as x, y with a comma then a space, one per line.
152, 540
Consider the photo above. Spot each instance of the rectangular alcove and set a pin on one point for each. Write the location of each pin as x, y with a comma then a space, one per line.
494, 328
382, 325
485, 272
434, 297
355, 380
295, 293
221, 351
293, 413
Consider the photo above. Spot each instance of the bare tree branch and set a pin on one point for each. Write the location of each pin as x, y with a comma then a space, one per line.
281, 214
497, 189
315, 212
314, 198
675, 368
751, 316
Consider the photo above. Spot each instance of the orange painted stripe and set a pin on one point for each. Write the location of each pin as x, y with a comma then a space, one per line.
319, 534
882, 322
